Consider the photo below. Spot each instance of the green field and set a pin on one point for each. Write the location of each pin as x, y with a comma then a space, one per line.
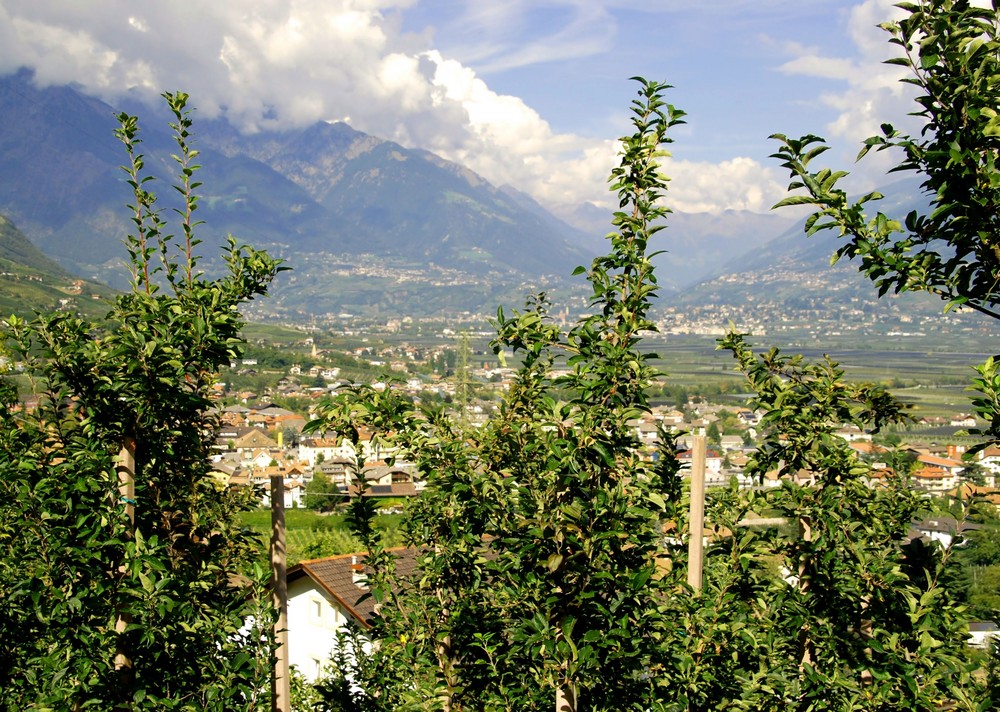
933, 381
311, 535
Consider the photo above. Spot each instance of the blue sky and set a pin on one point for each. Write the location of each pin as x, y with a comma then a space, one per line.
527, 92
570, 61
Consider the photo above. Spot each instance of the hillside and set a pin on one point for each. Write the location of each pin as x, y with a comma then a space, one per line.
377, 231
32, 282
788, 284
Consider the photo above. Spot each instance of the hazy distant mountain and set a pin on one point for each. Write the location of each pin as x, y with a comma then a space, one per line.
323, 190
792, 274
410, 204
370, 227
694, 246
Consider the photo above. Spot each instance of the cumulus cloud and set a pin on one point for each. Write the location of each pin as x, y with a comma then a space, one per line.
736, 184
873, 92
270, 64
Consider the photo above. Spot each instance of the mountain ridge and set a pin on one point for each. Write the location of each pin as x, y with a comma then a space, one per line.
311, 196
373, 228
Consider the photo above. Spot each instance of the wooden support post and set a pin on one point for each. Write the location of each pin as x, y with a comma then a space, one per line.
566, 698
696, 519
126, 496
280, 687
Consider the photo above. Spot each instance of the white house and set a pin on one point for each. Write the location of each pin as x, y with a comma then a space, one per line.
324, 598
990, 460
334, 448
937, 474
713, 461
943, 529
981, 633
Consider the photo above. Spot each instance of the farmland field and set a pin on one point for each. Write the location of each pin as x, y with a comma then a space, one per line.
311, 535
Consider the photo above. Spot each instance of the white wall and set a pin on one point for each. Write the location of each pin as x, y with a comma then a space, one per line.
313, 621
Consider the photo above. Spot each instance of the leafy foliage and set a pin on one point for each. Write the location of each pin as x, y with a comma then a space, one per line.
856, 619
952, 51
151, 600
537, 538
548, 549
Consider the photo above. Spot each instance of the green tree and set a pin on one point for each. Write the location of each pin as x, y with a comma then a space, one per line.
952, 51
978, 569
541, 567
321, 494
856, 620
115, 599
539, 535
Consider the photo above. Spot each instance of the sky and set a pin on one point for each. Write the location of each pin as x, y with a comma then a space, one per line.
530, 93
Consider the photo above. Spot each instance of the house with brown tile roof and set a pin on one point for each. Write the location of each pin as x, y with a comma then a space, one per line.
934, 479
253, 439
327, 596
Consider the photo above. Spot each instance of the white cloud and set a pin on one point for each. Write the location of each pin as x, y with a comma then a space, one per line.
275, 63
873, 92
518, 33
737, 184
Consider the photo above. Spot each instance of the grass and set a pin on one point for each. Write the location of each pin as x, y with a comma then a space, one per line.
311, 535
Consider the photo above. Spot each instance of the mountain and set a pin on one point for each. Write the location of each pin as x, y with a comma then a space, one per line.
337, 204
30, 281
374, 229
788, 284
693, 245
410, 203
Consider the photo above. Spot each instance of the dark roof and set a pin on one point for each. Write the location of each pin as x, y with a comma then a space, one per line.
396, 489
335, 574
946, 525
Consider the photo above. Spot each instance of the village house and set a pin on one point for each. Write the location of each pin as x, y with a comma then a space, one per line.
646, 430
713, 462
325, 449
332, 447
672, 417
325, 599
748, 417
383, 480
251, 439
942, 529
852, 433
989, 459
982, 633
936, 474
962, 420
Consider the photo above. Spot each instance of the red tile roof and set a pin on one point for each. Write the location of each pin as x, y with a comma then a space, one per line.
336, 575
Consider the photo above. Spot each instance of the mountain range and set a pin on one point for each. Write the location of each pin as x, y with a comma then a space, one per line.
320, 197
365, 223
368, 226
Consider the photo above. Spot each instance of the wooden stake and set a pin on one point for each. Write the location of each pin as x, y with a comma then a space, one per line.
280, 687
696, 519
126, 495
566, 698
